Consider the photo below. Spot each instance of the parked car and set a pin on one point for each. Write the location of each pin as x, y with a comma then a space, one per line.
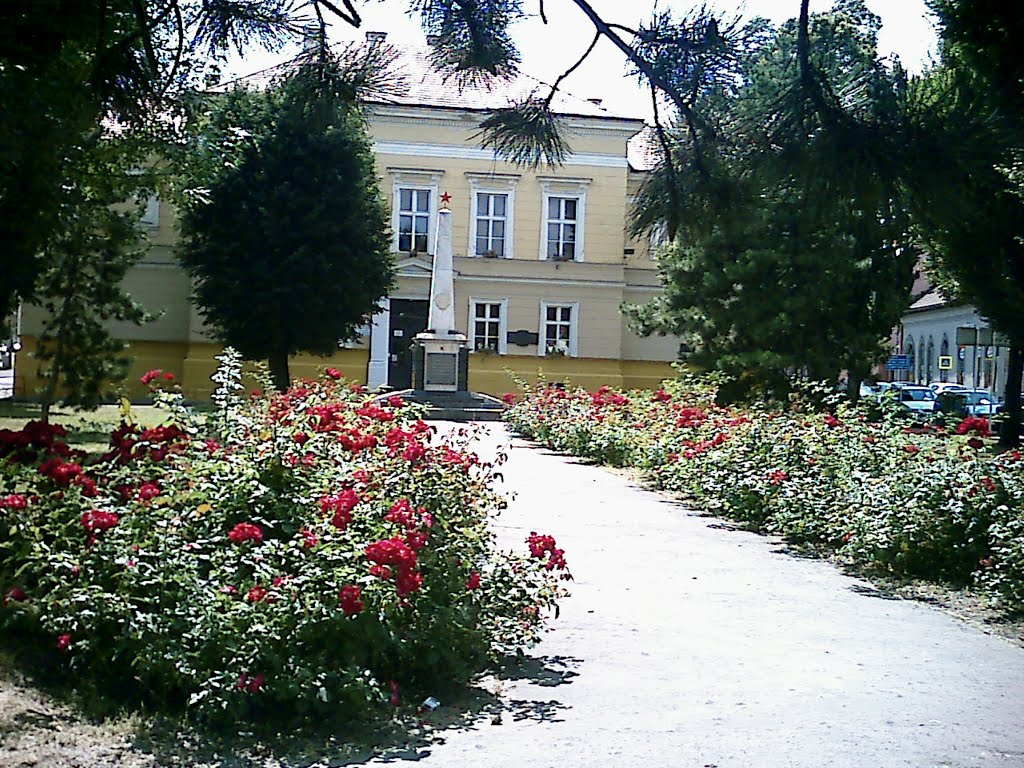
945, 386
969, 402
915, 398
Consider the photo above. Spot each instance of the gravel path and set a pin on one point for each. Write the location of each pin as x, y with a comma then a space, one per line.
686, 644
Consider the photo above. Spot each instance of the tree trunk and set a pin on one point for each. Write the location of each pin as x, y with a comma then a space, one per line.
1009, 433
279, 371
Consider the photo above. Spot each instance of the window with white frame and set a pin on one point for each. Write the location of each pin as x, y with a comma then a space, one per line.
491, 214
558, 329
487, 325
491, 221
562, 217
413, 219
414, 196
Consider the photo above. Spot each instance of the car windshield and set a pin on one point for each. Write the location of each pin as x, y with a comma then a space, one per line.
974, 398
917, 394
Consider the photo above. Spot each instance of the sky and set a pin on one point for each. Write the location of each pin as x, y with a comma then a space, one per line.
547, 51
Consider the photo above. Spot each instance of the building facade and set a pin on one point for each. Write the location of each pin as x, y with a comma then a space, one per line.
949, 342
542, 258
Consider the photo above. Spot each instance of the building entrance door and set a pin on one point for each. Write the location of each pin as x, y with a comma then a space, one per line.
408, 317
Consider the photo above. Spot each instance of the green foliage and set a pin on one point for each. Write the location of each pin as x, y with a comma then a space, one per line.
80, 286
318, 556
286, 235
792, 253
890, 496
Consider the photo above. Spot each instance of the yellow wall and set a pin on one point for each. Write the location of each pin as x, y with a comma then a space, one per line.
192, 366
493, 374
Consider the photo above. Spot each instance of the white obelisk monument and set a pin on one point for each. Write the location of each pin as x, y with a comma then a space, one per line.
441, 345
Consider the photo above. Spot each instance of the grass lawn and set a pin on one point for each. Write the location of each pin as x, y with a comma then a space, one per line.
87, 430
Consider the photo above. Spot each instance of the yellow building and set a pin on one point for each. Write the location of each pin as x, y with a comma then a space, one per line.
542, 257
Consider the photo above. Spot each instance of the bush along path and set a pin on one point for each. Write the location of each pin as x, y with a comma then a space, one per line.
288, 559
891, 497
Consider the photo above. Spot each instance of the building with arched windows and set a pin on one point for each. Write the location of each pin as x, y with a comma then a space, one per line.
940, 338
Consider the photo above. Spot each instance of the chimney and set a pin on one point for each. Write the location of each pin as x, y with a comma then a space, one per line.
376, 37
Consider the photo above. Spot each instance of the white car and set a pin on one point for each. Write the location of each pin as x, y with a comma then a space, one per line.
915, 397
946, 386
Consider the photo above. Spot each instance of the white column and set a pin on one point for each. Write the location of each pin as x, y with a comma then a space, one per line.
377, 369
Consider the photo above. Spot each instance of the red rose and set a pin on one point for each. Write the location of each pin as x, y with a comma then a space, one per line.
300, 438
246, 532
14, 501
14, 595
333, 373
148, 491
911, 448
63, 643
168, 376
256, 594
509, 398
350, 602
150, 376
96, 520
473, 582
309, 539
976, 443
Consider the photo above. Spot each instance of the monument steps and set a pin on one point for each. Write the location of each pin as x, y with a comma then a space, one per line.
454, 406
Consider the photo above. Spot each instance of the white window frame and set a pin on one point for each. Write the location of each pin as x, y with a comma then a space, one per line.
502, 323
492, 184
556, 186
574, 327
414, 179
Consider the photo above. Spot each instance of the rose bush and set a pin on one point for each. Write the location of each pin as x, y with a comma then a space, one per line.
916, 501
305, 553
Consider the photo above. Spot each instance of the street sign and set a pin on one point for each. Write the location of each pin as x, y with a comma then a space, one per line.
945, 362
898, 363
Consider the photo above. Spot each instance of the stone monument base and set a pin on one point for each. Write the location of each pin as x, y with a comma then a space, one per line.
440, 362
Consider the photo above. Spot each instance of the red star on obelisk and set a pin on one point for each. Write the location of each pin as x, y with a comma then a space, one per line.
445, 199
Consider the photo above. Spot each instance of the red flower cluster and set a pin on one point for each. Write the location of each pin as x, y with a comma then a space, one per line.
605, 396
309, 539
541, 545
473, 582
25, 445
689, 418
341, 505
257, 594
96, 520
244, 532
778, 477
976, 424
332, 373
832, 422
509, 398
350, 602
149, 491
13, 501
399, 440
376, 413
397, 554
355, 441
396, 402
661, 396
59, 471
250, 684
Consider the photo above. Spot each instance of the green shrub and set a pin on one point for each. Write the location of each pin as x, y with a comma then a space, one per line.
316, 553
